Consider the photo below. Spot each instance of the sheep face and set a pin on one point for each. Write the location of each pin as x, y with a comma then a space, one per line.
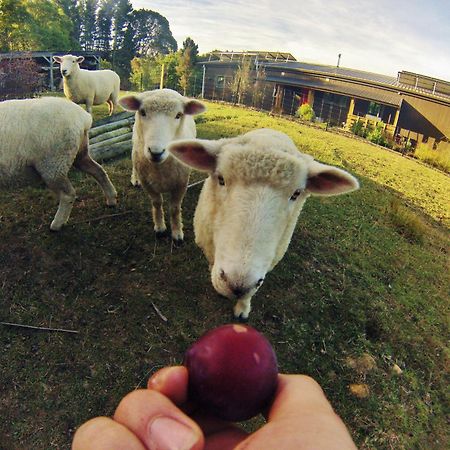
249, 205
68, 64
160, 116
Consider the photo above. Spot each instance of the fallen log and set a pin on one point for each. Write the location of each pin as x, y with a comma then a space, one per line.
110, 134
110, 127
111, 141
113, 118
110, 151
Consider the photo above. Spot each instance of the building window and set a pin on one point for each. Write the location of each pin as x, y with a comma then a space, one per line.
425, 139
374, 109
220, 81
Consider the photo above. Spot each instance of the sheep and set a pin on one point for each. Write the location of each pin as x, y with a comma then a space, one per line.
90, 87
40, 140
162, 115
249, 205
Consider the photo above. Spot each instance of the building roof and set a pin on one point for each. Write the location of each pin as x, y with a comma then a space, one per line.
340, 87
405, 82
260, 55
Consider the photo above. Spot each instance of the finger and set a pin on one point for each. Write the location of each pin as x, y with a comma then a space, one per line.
102, 433
300, 418
157, 422
171, 382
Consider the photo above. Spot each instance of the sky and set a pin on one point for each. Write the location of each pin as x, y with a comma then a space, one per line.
378, 35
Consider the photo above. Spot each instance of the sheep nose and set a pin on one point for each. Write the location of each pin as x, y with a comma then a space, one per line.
238, 291
156, 156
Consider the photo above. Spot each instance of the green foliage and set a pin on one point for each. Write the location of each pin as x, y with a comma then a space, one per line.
358, 127
105, 64
241, 80
145, 73
376, 135
306, 112
186, 64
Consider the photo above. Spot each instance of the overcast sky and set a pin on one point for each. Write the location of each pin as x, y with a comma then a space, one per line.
383, 36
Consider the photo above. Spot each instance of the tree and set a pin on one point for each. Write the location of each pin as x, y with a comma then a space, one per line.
104, 25
14, 22
241, 80
186, 64
152, 33
88, 29
72, 11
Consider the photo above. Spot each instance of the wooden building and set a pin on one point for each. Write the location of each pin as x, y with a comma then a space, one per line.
410, 106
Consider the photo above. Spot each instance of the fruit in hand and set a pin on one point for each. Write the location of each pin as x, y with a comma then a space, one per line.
233, 372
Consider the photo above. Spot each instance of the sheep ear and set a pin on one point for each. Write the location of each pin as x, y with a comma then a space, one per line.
130, 103
193, 107
329, 180
199, 154
57, 59
80, 59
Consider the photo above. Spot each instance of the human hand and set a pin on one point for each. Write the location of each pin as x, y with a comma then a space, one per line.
160, 418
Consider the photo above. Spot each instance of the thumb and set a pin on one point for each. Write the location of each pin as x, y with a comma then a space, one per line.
157, 422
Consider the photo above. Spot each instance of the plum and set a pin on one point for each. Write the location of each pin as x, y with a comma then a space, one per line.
233, 372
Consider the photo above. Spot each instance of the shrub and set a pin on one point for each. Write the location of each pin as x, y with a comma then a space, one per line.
19, 78
359, 128
306, 112
377, 135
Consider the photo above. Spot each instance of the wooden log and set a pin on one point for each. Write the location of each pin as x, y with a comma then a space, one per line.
113, 118
111, 151
120, 138
110, 126
110, 134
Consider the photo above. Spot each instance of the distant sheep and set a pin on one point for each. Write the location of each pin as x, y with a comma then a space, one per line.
162, 116
41, 139
249, 205
90, 87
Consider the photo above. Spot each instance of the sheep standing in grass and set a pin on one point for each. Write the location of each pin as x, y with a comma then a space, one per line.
41, 139
162, 116
249, 205
91, 87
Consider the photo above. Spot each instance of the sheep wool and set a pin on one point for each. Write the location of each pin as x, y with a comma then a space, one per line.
41, 140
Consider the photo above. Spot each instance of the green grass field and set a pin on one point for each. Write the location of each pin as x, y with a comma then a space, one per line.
363, 286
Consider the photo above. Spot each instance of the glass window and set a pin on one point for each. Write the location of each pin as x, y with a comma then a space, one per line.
220, 81
374, 109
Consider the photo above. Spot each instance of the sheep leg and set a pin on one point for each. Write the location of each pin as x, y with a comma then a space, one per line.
89, 106
110, 106
66, 193
158, 214
242, 308
134, 177
86, 164
176, 223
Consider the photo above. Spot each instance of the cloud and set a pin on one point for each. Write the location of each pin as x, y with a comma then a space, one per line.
377, 36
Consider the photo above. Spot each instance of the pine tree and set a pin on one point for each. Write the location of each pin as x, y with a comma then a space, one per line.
104, 26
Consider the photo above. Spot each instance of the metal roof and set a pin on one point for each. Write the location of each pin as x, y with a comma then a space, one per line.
406, 82
340, 87
261, 55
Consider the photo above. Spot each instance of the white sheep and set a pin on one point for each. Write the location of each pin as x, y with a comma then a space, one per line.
42, 139
90, 87
162, 116
249, 205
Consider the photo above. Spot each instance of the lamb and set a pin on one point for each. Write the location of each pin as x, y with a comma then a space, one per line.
162, 116
249, 205
90, 87
40, 140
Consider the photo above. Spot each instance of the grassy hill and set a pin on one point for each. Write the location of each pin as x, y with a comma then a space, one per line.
363, 286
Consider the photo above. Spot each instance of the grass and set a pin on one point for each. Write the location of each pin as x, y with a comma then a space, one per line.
365, 274
437, 158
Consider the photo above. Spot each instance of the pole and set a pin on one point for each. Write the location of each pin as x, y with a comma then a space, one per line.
203, 81
161, 83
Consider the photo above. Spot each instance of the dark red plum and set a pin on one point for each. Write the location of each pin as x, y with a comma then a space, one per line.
233, 372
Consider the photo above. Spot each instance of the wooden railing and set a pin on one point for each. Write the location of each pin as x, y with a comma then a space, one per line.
367, 122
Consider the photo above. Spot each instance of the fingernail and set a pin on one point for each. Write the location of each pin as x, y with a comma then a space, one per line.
169, 434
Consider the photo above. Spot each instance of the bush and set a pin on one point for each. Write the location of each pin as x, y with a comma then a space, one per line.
377, 135
359, 129
306, 112
20, 78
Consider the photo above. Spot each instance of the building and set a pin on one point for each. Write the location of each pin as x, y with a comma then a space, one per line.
409, 107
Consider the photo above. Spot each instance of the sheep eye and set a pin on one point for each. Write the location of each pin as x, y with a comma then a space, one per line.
259, 283
142, 112
179, 116
295, 194
221, 180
